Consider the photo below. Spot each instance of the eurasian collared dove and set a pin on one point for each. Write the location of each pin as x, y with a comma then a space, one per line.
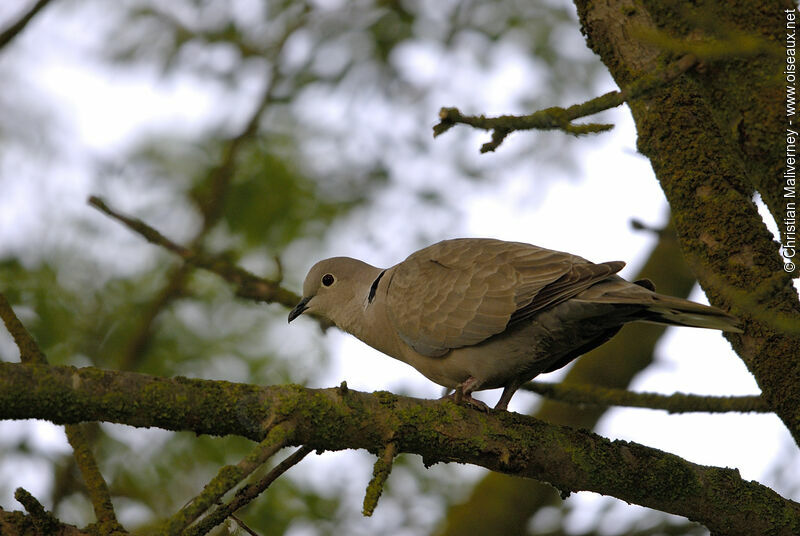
477, 313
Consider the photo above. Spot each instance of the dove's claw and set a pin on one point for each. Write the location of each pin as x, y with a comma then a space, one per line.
475, 403
463, 395
466, 401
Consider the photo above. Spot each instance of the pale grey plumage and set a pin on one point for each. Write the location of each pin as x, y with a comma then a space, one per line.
475, 314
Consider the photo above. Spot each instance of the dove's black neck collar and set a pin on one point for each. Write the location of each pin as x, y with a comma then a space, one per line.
374, 288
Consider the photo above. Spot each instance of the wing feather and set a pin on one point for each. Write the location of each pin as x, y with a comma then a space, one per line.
461, 292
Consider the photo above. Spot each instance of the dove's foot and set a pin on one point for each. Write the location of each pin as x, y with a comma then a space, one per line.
463, 395
474, 403
466, 401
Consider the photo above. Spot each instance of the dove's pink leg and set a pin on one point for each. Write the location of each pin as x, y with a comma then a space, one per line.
463, 394
505, 398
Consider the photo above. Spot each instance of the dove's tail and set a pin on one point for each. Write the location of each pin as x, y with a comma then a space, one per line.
678, 312
659, 308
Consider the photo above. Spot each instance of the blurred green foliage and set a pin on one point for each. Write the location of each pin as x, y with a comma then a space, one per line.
268, 202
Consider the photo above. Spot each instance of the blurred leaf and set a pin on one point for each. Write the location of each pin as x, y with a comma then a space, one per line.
270, 202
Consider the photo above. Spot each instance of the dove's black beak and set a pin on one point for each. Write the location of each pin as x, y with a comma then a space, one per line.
299, 308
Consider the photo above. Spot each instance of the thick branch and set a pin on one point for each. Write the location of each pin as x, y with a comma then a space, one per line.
674, 403
333, 419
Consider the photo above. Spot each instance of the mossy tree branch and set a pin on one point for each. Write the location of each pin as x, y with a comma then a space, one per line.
557, 118
439, 431
380, 473
82, 451
20, 524
43, 521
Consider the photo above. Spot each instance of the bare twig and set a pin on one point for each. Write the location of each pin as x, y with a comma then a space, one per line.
243, 525
17, 27
247, 285
562, 118
674, 403
228, 477
639, 225
246, 494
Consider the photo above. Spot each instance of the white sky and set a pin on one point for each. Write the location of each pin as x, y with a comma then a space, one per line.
589, 217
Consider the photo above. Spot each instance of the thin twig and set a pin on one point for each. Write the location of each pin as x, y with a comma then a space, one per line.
228, 477
28, 349
243, 525
44, 521
380, 473
247, 285
674, 403
96, 485
16, 28
246, 494
562, 118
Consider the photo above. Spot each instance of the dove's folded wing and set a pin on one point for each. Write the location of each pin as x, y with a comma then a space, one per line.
461, 292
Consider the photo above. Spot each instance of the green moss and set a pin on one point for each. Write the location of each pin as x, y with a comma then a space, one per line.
386, 398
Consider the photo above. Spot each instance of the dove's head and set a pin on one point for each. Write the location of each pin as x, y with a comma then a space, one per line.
336, 289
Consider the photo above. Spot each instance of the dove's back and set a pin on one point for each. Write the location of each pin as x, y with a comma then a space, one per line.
460, 292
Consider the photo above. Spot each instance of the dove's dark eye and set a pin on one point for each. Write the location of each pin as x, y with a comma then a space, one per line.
327, 280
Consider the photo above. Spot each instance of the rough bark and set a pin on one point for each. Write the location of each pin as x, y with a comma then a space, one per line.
439, 431
21, 524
